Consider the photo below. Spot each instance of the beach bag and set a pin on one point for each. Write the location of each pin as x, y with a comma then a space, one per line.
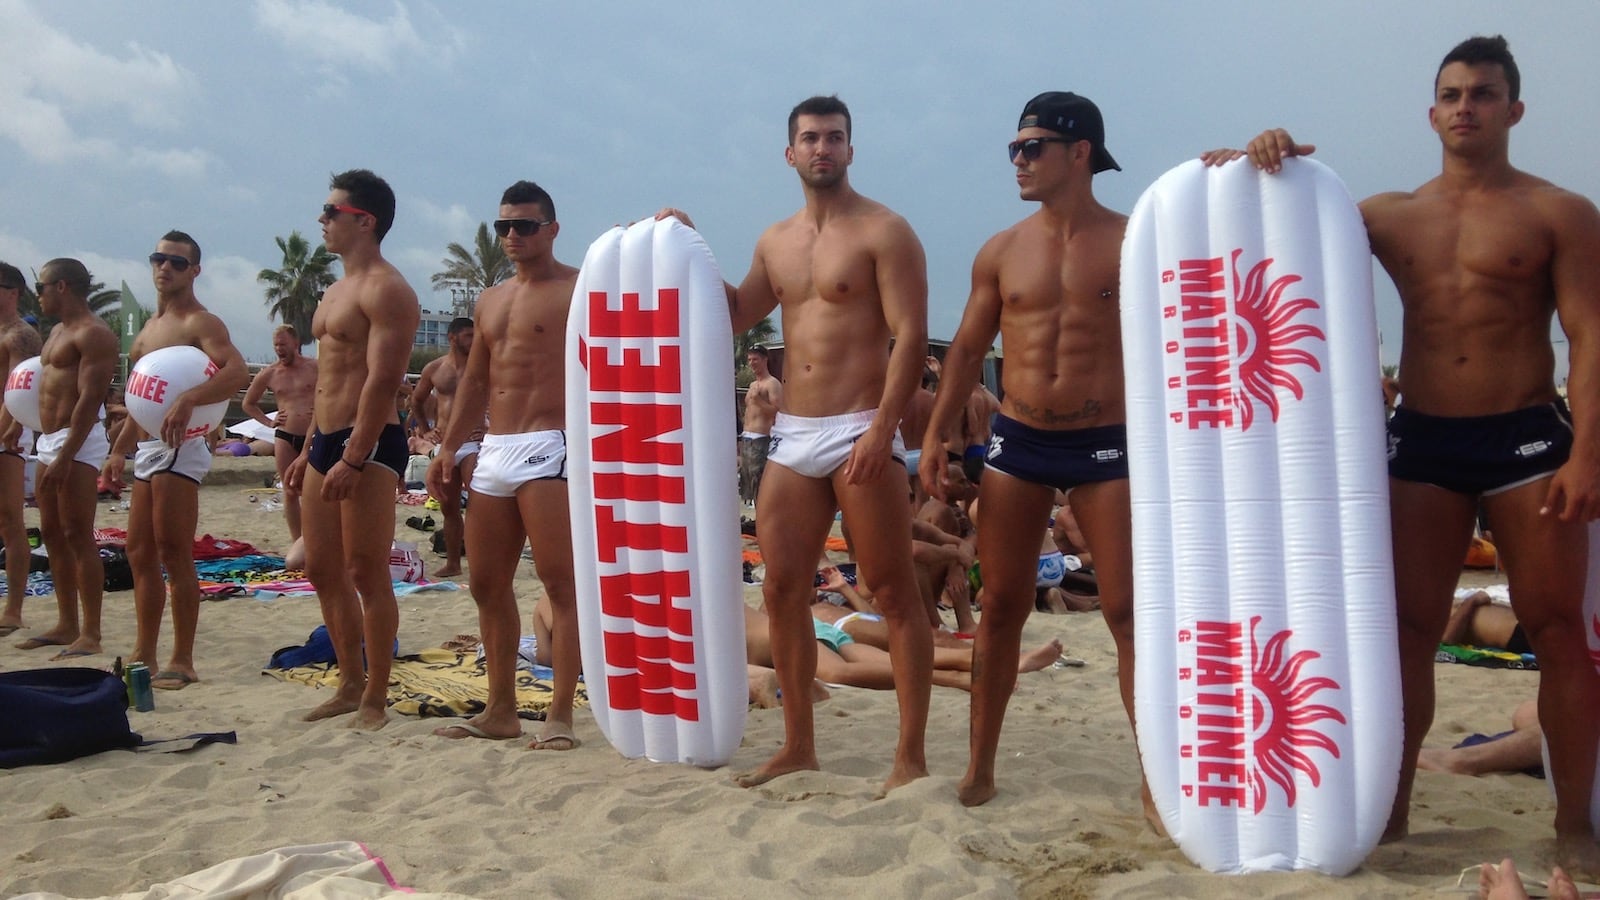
53, 715
405, 563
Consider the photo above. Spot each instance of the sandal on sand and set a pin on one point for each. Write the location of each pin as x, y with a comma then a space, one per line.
9, 630
471, 730
172, 681
420, 523
555, 742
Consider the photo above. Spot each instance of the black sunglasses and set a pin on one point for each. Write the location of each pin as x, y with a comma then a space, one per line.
39, 286
332, 210
178, 263
523, 227
1032, 147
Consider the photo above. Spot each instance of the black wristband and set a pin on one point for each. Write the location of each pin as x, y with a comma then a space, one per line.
352, 465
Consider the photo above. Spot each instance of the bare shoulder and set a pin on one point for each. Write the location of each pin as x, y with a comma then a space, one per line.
1386, 204
429, 370
1563, 209
883, 223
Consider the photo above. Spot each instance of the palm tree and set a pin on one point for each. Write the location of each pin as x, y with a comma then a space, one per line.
473, 270
295, 288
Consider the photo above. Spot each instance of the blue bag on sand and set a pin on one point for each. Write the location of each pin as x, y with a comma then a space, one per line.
53, 715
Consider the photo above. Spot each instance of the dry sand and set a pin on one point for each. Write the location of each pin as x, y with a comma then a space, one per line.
496, 820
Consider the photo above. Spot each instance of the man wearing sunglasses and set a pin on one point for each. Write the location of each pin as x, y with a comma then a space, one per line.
357, 453
77, 364
1048, 287
168, 467
516, 374
850, 275
18, 341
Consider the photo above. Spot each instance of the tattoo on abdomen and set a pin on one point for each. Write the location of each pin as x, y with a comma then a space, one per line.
1091, 408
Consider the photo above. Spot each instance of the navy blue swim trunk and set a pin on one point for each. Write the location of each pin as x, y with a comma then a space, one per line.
1480, 454
391, 451
1061, 459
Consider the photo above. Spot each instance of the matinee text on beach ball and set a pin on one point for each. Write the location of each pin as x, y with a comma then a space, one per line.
160, 377
22, 392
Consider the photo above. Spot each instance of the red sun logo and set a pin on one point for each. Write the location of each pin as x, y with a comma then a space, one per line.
1284, 717
1266, 330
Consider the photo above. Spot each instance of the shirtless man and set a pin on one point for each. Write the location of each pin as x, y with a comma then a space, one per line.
439, 380
78, 362
1482, 256
293, 383
761, 401
169, 467
516, 373
347, 473
975, 430
914, 424
850, 274
1048, 286
18, 341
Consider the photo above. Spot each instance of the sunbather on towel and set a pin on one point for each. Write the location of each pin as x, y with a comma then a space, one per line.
1517, 750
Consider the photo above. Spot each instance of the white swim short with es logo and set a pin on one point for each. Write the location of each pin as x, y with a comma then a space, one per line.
815, 447
508, 461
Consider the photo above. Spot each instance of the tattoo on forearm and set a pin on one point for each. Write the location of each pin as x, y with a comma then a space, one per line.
1091, 408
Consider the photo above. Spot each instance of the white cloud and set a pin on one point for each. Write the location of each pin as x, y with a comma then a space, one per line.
339, 38
48, 81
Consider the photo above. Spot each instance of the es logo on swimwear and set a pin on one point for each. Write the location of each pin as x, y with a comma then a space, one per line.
772, 448
1533, 448
994, 446
535, 460
1110, 454
1252, 719
1235, 339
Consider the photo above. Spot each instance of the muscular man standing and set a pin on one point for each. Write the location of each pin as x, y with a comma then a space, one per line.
850, 275
78, 362
440, 379
293, 383
18, 341
356, 455
1482, 256
761, 401
516, 374
168, 468
1048, 286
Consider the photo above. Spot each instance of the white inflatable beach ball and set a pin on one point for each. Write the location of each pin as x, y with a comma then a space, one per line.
162, 376
22, 392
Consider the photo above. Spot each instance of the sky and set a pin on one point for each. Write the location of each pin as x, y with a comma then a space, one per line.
119, 121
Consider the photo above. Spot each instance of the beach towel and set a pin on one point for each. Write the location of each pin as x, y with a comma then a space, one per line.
53, 715
343, 869
301, 587
438, 682
1487, 657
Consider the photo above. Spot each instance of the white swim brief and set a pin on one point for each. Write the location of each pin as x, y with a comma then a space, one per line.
191, 459
815, 447
508, 461
470, 448
94, 451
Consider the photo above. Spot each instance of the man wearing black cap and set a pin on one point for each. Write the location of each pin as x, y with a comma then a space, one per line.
1048, 286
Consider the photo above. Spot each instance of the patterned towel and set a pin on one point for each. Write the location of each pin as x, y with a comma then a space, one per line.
438, 682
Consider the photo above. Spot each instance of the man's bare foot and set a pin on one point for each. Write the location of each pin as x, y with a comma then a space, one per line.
10, 625
1437, 760
337, 705
451, 572
783, 763
1034, 660
83, 646
974, 791
557, 736
481, 727
369, 719
1503, 883
1580, 856
903, 774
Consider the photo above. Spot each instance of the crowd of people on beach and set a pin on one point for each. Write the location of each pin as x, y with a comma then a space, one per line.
950, 497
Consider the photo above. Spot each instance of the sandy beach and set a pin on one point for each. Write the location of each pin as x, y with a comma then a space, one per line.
492, 819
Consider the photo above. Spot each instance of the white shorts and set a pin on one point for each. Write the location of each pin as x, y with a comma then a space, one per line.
466, 450
815, 447
94, 451
509, 461
192, 459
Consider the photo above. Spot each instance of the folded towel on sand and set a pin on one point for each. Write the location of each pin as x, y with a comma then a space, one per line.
1487, 657
338, 869
438, 682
